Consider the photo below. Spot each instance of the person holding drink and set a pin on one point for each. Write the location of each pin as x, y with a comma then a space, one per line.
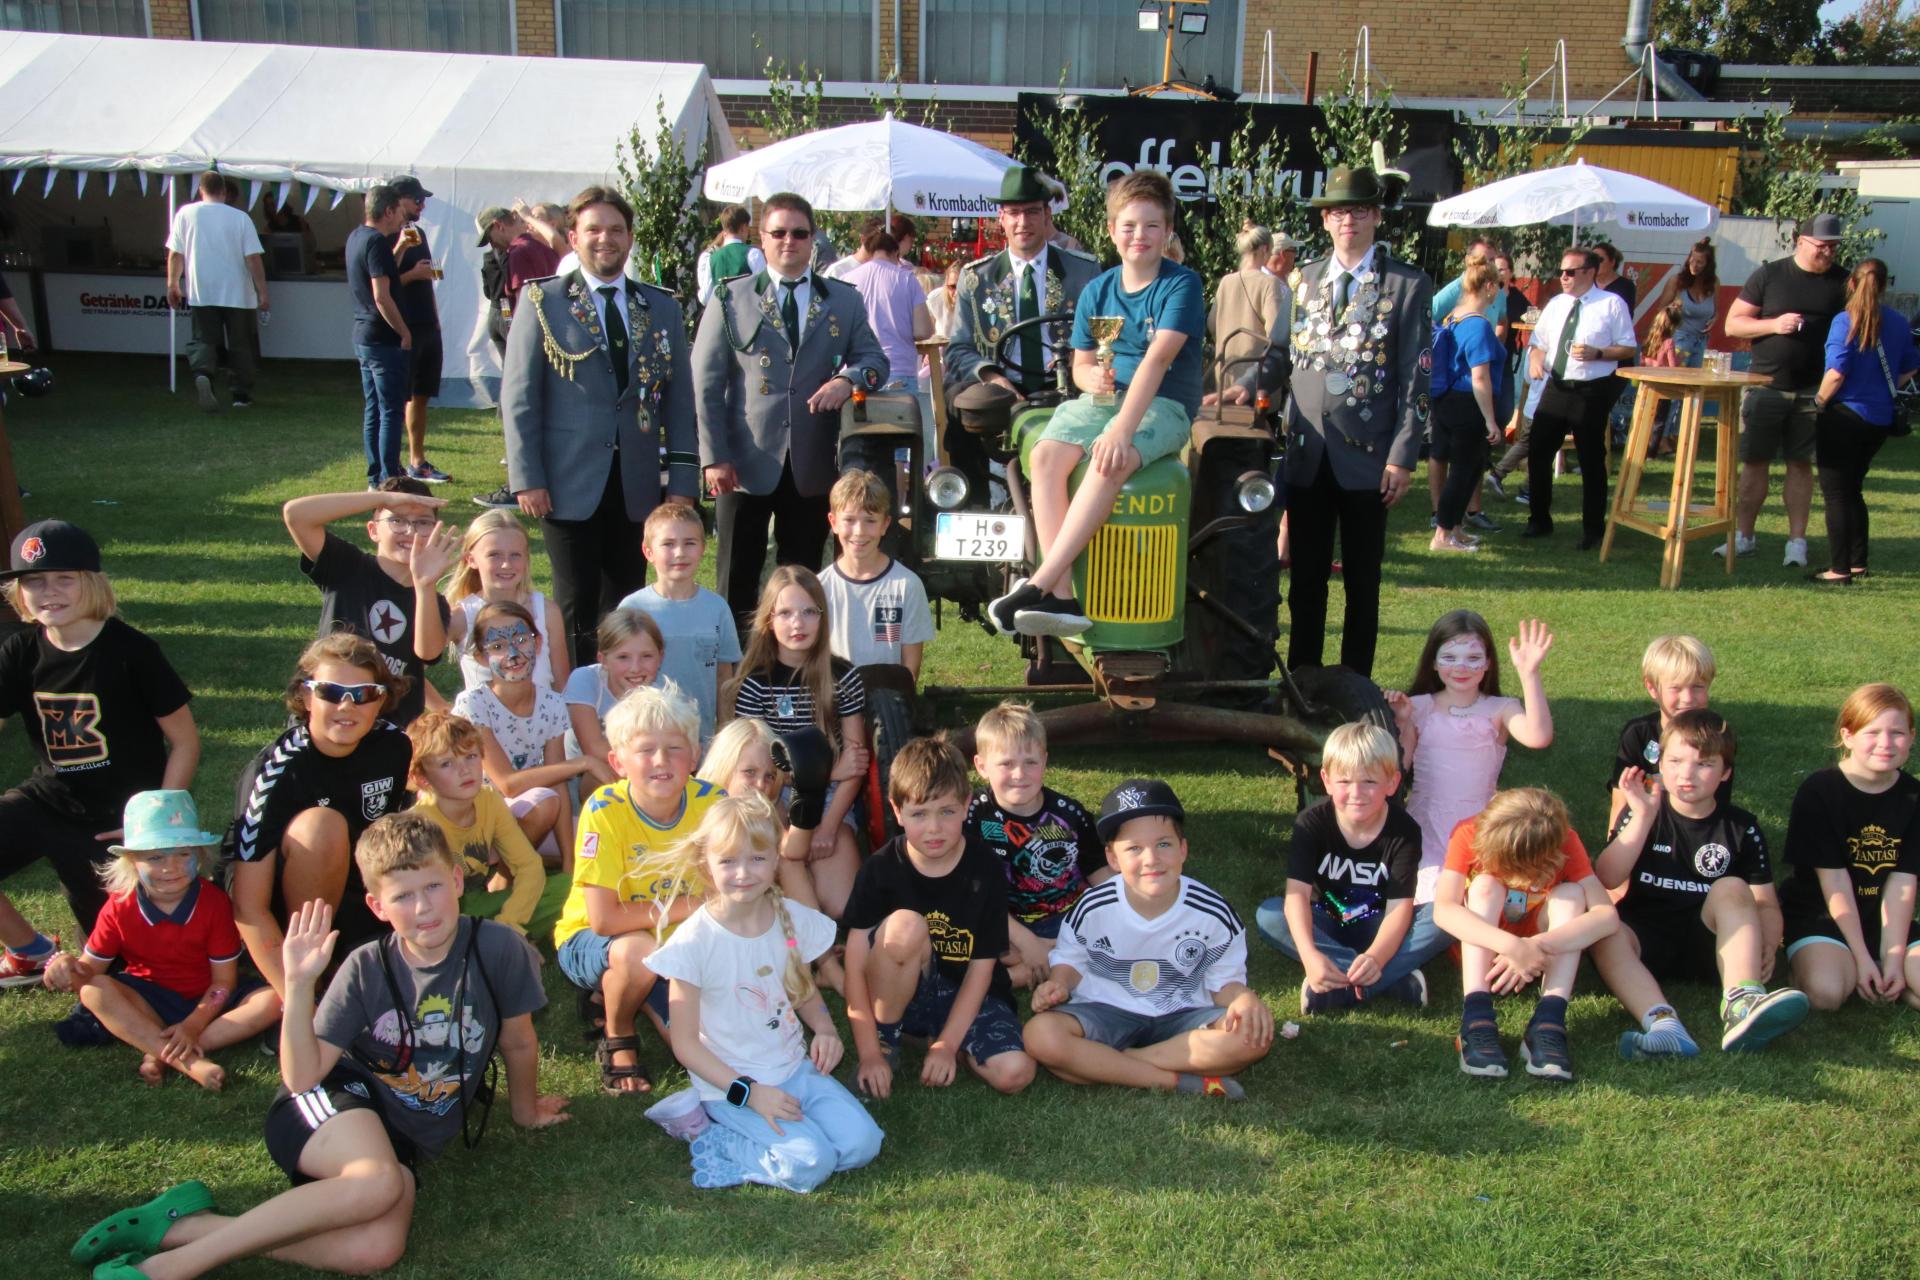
1142, 367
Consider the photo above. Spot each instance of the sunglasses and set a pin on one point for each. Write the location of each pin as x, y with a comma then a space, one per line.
790, 233
359, 695
1573, 271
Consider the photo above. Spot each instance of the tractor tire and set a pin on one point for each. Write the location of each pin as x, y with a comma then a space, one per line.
1340, 696
890, 727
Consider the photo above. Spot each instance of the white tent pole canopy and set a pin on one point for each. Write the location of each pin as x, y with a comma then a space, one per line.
1577, 195
477, 130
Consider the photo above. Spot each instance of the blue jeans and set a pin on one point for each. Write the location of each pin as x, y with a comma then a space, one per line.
1341, 943
385, 374
836, 1134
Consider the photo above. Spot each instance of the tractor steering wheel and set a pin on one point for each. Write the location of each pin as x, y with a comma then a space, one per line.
1060, 350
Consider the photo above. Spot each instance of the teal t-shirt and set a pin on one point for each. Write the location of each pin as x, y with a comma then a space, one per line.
1173, 301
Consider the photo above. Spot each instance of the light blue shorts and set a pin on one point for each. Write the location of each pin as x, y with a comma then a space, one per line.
1164, 428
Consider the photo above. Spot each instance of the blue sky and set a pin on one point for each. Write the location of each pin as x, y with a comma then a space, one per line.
1838, 9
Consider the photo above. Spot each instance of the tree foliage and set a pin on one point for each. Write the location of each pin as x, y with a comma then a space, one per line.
1790, 32
1781, 178
1356, 119
662, 180
1070, 152
1253, 188
1494, 149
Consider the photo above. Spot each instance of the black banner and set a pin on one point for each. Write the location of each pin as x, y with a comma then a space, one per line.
1181, 137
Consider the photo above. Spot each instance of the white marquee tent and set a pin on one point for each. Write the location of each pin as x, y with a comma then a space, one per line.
477, 130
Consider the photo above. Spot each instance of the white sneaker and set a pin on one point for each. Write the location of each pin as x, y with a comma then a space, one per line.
1744, 546
1796, 553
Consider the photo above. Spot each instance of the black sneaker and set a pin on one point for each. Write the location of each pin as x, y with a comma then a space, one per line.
1544, 1050
1051, 616
500, 499
1480, 1051
1482, 521
1497, 483
1524, 497
1001, 612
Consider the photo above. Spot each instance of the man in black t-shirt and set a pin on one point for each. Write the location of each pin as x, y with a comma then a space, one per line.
382, 339
1785, 309
413, 260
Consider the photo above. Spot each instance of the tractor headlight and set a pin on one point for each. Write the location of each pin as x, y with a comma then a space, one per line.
947, 488
1254, 492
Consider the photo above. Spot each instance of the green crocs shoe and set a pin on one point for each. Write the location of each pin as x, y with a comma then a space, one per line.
124, 1267
142, 1227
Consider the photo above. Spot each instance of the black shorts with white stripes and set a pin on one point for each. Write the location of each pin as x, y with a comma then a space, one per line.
295, 1117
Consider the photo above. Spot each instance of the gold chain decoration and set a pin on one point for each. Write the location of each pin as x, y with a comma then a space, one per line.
562, 360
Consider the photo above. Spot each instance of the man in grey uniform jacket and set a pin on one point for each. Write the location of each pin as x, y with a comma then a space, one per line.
596, 381
1360, 364
776, 356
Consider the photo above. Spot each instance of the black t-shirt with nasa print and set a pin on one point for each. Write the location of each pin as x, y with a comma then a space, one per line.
1683, 857
1640, 749
357, 595
1354, 885
1836, 825
1049, 854
91, 716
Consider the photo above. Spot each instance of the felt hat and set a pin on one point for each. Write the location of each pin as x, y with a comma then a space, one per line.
1352, 184
1024, 183
53, 546
161, 820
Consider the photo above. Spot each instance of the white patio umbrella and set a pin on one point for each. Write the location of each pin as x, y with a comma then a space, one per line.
882, 164
1576, 195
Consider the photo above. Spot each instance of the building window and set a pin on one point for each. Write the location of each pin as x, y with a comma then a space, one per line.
1098, 43
833, 37
425, 26
76, 17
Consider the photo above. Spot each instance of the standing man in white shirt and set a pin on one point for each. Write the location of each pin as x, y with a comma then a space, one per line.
1582, 336
216, 266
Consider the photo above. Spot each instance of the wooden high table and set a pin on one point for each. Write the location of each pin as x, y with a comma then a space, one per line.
1689, 388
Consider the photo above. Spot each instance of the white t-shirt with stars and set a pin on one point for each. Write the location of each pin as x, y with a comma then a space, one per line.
1175, 961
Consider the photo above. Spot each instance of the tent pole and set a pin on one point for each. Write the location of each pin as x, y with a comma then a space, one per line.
173, 316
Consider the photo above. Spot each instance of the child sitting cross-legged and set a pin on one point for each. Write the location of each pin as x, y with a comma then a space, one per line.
1520, 894
1350, 879
179, 996
450, 788
1045, 839
387, 1070
926, 927
1149, 982
741, 987
1156, 375
612, 918
1699, 902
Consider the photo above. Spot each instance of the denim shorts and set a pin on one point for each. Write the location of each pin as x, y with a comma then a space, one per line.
81, 1029
1047, 927
995, 1029
1164, 427
584, 959
1119, 1028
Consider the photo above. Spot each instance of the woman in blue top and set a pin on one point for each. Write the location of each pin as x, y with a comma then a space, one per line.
1869, 351
1467, 368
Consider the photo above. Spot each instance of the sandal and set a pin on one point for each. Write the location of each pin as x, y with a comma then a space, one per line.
142, 1227
124, 1267
612, 1073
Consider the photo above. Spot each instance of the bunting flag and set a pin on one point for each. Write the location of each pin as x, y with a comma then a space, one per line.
111, 175
48, 189
338, 196
143, 181
286, 190
253, 192
19, 176
313, 193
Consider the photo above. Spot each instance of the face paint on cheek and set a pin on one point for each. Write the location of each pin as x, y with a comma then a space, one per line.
510, 651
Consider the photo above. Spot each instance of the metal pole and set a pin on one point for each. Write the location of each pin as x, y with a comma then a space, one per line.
1313, 75
173, 316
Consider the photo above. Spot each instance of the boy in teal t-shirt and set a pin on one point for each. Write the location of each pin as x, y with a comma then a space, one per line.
1155, 380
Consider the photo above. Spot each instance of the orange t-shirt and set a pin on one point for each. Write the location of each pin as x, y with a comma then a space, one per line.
1518, 916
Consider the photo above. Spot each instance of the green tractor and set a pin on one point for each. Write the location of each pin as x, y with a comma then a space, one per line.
1182, 582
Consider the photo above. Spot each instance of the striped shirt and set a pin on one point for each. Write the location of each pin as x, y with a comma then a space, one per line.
1176, 960
779, 695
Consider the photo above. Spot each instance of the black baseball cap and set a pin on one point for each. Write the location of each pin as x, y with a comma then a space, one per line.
408, 187
1823, 226
53, 546
1137, 798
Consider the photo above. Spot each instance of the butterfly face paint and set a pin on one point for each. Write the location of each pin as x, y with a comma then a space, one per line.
510, 648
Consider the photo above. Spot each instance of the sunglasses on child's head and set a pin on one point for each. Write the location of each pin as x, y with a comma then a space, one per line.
357, 694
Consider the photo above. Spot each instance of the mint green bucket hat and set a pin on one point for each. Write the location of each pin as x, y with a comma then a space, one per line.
161, 820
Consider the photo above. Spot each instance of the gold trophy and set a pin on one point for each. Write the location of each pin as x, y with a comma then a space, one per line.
1103, 330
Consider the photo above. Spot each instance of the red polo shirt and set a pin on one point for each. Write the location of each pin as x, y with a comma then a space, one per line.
174, 949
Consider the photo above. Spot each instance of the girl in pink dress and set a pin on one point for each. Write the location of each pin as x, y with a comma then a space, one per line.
1455, 725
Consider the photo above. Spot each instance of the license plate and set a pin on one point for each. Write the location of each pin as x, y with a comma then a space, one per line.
969, 535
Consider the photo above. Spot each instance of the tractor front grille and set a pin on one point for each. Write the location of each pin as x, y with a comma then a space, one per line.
1132, 571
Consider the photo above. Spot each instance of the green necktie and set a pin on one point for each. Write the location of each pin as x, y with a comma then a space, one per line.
1341, 292
790, 312
616, 338
1033, 365
1564, 349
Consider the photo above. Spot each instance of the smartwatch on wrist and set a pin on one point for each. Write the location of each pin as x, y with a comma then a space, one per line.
740, 1090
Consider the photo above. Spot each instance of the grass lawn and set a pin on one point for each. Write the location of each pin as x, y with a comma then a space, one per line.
1362, 1150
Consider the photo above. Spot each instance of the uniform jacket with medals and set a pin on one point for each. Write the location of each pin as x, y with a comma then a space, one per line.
985, 302
566, 420
1359, 379
754, 383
